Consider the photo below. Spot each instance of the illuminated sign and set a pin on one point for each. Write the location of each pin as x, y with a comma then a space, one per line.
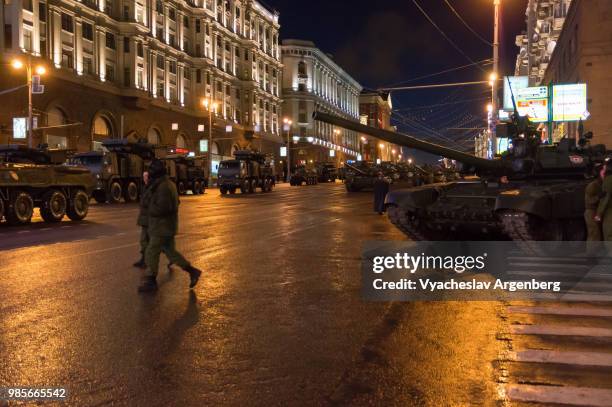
502, 145
19, 127
533, 102
332, 153
569, 102
516, 83
283, 151
203, 146
182, 150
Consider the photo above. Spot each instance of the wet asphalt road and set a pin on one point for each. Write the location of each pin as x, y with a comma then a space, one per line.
277, 318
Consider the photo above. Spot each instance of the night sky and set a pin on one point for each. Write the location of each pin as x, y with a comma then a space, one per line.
390, 42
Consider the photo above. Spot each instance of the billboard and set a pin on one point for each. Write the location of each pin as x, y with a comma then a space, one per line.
533, 102
569, 102
283, 151
517, 83
20, 127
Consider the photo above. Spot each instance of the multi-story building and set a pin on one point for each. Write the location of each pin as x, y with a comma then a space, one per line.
312, 81
584, 55
545, 20
141, 69
375, 110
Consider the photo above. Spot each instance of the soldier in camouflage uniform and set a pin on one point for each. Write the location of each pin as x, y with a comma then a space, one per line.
604, 210
592, 197
143, 220
162, 228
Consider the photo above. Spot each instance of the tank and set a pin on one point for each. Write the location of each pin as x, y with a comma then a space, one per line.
31, 178
534, 192
304, 175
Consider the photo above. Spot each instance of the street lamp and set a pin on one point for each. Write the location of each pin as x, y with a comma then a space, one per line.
211, 107
287, 128
40, 70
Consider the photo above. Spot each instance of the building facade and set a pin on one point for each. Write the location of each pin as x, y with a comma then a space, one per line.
584, 55
375, 109
545, 20
312, 81
141, 69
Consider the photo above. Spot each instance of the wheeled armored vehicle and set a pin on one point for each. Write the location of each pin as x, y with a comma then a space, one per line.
248, 171
31, 178
303, 175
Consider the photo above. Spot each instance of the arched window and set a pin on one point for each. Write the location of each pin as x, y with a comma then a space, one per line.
55, 137
101, 128
55, 117
180, 141
235, 148
154, 136
215, 148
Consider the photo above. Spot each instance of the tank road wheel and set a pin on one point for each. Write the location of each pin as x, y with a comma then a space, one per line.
115, 192
54, 206
131, 192
526, 229
223, 190
78, 206
20, 208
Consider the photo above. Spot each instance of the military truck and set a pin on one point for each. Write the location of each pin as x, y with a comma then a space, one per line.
118, 169
32, 178
248, 171
303, 175
189, 173
326, 172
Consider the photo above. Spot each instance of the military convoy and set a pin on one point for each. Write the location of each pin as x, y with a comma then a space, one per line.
534, 192
248, 171
32, 178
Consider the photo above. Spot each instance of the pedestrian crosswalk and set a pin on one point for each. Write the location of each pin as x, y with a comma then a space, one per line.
558, 351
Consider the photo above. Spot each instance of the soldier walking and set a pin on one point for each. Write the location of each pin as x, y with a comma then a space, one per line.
162, 228
592, 197
604, 210
143, 220
381, 188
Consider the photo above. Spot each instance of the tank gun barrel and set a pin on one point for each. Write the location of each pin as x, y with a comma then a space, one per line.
408, 141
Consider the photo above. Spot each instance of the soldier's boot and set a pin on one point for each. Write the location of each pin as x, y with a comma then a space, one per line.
148, 284
140, 263
194, 275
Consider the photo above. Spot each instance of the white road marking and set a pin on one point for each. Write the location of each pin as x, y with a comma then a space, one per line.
560, 330
571, 311
573, 396
560, 357
23, 231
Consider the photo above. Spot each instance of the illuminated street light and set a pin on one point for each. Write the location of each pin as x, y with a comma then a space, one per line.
17, 64
381, 145
211, 107
40, 70
490, 108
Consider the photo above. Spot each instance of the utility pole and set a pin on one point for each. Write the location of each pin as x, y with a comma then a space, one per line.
494, 105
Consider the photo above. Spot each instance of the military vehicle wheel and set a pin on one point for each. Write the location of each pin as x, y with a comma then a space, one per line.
232, 191
78, 206
196, 188
253, 186
115, 192
223, 190
181, 188
20, 209
1, 209
54, 205
131, 192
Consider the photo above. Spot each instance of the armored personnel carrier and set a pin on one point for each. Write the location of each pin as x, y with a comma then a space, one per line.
32, 178
304, 175
534, 192
248, 171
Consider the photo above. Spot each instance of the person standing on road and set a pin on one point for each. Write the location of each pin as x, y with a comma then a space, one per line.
381, 188
163, 226
604, 210
592, 196
143, 220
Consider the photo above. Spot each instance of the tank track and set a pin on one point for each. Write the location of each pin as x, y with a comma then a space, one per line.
517, 226
401, 221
